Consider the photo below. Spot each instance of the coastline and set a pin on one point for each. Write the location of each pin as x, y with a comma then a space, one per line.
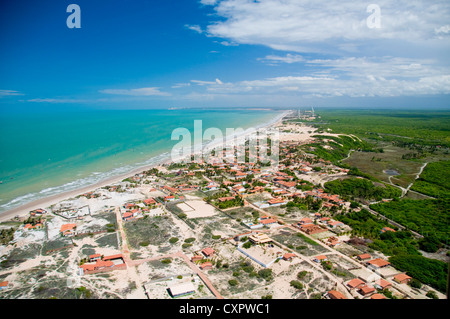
45, 202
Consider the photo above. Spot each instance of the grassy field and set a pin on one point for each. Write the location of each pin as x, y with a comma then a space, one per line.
391, 159
401, 141
155, 231
298, 242
424, 127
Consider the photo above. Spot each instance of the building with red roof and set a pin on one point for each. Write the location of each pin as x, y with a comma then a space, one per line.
208, 251
363, 256
402, 278
3, 284
378, 263
149, 201
68, 229
365, 290
378, 296
207, 265
355, 283
288, 256
334, 294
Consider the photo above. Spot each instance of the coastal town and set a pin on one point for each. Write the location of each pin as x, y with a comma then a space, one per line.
216, 229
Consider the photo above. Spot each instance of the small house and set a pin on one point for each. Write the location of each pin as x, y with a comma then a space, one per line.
402, 278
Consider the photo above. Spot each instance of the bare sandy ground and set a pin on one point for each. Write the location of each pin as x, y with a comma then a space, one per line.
195, 208
297, 133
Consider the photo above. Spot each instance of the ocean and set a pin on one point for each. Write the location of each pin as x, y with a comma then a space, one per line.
48, 153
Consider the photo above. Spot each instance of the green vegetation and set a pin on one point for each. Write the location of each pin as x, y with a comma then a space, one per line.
363, 223
83, 292
155, 231
388, 294
437, 173
399, 141
394, 243
430, 243
434, 180
307, 239
427, 216
428, 271
307, 203
409, 127
247, 244
304, 185
302, 274
232, 282
431, 294
173, 240
339, 147
327, 265
400, 245
247, 267
265, 274
111, 227
361, 188
296, 284
237, 201
390, 243
354, 171
6, 235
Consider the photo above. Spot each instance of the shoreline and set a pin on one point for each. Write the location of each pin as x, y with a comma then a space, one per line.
45, 202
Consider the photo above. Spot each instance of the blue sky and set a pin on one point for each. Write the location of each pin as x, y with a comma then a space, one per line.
224, 53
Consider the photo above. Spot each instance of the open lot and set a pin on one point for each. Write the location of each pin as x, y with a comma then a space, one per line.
251, 282
298, 242
196, 208
150, 236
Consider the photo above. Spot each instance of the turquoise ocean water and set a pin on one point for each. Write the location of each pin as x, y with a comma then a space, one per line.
43, 154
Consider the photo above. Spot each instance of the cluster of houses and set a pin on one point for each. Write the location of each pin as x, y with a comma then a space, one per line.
30, 226
263, 221
148, 206
318, 225
363, 289
203, 258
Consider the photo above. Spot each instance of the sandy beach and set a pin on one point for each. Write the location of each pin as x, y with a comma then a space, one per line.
45, 202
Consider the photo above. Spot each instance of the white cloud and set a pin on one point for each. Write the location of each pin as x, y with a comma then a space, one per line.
288, 58
194, 27
227, 43
148, 91
352, 77
4, 93
208, 2
317, 25
180, 85
57, 100
202, 83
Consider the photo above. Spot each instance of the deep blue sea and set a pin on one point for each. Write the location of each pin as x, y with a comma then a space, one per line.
47, 153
